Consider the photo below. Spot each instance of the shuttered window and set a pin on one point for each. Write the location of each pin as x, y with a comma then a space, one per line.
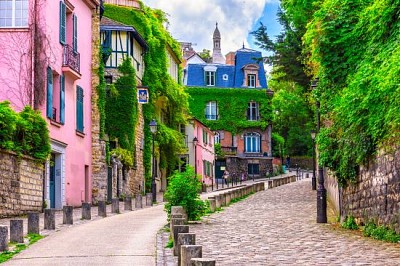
63, 22
79, 109
75, 34
49, 106
62, 99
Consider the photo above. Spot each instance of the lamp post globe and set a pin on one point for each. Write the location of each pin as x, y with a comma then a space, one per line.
153, 129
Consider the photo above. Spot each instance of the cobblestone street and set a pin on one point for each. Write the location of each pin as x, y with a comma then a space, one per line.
277, 227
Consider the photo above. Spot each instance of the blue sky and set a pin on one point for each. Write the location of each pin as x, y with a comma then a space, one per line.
194, 21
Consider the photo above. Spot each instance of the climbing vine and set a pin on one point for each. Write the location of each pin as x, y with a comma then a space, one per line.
164, 93
232, 107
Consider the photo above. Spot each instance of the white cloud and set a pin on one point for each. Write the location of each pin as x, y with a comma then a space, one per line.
194, 21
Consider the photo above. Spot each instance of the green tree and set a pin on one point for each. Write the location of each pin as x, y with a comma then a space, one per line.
206, 55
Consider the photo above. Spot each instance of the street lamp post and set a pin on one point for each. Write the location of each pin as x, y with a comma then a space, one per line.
321, 191
195, 141
313, 179
153, 129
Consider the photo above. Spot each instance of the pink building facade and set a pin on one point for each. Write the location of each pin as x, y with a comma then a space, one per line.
201, 150
46, 62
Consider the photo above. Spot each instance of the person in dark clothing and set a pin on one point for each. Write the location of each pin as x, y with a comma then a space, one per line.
287, 161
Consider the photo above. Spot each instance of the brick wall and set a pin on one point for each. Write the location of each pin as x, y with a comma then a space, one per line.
21, 185
376, 193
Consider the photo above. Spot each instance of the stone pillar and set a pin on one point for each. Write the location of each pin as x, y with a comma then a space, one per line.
228, 198
212, 204
176, 230
175, 221
86, 211
138, 202
128, 203
188, 252
17, 231
149, 199
217, 201
33, 223
3, 238
49, 219
102, 209
68, 212
115, 205
223, 199
179, 210
202, 262
184, 239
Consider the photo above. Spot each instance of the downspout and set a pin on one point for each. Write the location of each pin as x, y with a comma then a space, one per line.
33, 53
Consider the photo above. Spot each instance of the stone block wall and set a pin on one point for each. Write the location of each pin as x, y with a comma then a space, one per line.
21, 185
376, 194
237, 166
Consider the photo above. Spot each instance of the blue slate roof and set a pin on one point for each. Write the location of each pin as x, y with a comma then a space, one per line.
235, 74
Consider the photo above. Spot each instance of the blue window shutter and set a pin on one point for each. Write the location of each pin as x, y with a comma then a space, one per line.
62, 99
79, 109
75, 33
63, 22
49, 105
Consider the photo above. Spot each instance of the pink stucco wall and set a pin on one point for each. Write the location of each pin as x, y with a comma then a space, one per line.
78, 146
204, 151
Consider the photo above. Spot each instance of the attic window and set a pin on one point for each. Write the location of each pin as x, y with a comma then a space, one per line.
225, 77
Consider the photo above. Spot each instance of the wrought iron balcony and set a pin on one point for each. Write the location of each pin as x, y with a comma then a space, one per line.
211, 117
229, 150
71, 59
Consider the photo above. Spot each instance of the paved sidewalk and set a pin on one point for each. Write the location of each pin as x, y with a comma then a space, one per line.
277, 227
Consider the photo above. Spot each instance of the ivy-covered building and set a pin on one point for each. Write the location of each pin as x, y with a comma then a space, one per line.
233, 99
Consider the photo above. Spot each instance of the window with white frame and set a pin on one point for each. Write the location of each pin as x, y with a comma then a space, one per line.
252, 142
13, 13
210, 78
253, 111
211, 111
251, 80
217, 137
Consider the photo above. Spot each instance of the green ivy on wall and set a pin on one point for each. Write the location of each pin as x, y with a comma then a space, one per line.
149, 23
232, 107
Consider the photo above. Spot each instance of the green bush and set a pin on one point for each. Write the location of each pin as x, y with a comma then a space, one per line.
7, 125
350, 223
183, 191
380, 232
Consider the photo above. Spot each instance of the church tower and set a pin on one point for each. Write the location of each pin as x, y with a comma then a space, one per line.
217, 56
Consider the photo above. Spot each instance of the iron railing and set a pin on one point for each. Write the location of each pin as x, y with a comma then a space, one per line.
71, 58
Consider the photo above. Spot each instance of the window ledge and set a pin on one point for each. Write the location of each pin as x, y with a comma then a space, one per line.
55, 123
80, 134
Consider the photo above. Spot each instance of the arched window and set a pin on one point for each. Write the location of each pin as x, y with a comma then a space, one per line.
216, 137
252, 142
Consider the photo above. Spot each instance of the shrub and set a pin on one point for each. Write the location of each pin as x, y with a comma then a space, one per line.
183, 191
7, 125
350, 223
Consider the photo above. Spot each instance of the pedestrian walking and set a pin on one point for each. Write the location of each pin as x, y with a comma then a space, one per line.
226, 176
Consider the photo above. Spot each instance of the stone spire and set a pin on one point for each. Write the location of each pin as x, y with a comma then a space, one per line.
217, 56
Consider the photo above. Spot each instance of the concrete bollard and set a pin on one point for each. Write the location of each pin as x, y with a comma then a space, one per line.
33, 223
212, 202
102, 209
175, 221
49, 219
68, 212
223, 199
149, 199
202, 262
115, 205
138, 202
179, 210
128, 203
228, 198
86, 211
188, 252
184, 239
3, 238
17, 231
217, 201
176, 230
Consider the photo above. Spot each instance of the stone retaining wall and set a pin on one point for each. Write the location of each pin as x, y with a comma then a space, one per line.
376, 194
21, 185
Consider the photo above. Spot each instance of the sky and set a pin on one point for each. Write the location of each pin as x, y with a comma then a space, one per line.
194, 21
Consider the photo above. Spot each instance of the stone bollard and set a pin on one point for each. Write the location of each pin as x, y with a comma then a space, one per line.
128, 203
86, 211
179, 210
223, 199
149, 199
228, 198
102, 209
49, 219
217, 201
115, 205
68, 212
3, 238
175, 221
17, 231
184, 239
188, 252
176, 230
202, 262
138, 202
33, 223
212, 202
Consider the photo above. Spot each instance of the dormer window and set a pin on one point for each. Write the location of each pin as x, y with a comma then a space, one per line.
251, 76
209, 75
